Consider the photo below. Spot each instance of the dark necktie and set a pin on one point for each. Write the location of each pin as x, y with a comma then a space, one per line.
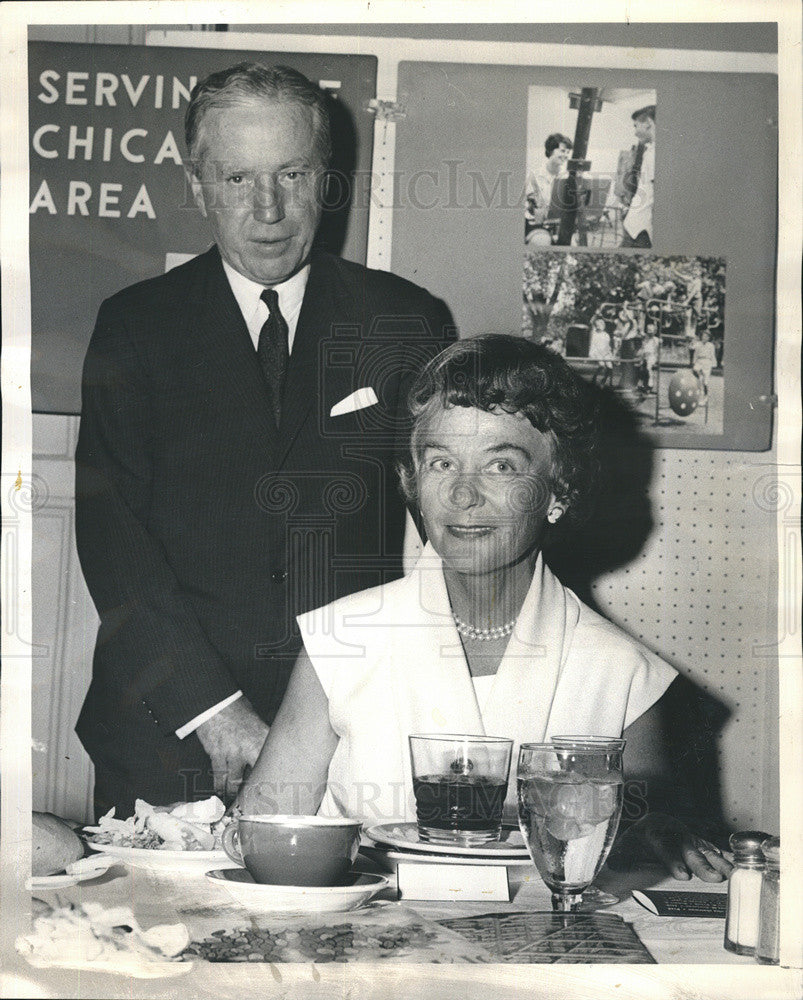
631, 181
273, 350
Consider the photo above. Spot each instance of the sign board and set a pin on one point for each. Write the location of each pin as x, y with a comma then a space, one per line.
109, 201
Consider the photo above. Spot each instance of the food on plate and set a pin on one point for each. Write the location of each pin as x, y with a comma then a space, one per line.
54, 845
91, 936
184, 826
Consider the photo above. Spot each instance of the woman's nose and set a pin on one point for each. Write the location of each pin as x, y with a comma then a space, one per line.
464, 492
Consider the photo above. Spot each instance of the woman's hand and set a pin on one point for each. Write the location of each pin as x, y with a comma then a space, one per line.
665, 839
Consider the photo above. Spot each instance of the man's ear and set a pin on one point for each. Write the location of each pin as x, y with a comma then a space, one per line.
327, 189
191, 170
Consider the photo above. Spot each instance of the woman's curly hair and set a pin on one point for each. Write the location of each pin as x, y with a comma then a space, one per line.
496, 371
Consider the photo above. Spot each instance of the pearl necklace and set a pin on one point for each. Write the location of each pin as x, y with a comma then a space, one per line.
483, 634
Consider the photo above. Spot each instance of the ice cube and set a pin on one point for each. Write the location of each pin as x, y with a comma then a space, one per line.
535, 796
567, 828
604, 801
575, 801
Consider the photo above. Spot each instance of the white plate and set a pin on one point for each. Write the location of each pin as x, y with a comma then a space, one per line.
177, 862
298, 898
405, 836
79, 871
388, 860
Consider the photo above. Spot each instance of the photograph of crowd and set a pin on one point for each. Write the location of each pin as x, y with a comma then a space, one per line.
649, 329
590, 167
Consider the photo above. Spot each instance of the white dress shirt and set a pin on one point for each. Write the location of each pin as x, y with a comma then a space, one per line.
255, 312
639, 214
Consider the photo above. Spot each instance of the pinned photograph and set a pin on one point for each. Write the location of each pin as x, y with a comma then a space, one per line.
650, 330
590, 167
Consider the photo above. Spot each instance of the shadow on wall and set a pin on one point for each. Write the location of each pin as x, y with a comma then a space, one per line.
613, 536
339, 191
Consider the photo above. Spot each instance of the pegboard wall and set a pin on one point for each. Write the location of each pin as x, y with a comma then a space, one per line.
703, 594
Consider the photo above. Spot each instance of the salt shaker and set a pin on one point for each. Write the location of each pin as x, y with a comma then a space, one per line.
744, 892
767, 949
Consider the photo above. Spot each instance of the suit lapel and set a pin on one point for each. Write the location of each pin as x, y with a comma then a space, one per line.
222, 337
304, 388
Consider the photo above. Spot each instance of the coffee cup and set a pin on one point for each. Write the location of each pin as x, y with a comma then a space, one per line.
293, 850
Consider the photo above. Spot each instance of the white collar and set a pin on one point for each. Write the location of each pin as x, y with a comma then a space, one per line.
248, 292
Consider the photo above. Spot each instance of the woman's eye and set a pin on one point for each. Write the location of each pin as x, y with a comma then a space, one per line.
501, 466
235, 178
441, 464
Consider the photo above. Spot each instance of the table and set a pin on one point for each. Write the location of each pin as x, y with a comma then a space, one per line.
166, 898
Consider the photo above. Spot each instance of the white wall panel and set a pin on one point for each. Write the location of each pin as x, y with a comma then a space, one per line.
64, 627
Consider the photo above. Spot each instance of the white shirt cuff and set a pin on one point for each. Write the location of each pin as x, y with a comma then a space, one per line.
192, 725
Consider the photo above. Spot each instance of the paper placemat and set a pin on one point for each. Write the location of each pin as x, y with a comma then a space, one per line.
377, 932
553, 937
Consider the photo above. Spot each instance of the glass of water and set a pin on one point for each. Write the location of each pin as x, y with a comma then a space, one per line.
570, 795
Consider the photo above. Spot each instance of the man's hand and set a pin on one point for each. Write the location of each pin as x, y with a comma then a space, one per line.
233, 739
663, 838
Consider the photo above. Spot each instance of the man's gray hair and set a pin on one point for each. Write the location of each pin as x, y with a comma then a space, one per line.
230, 86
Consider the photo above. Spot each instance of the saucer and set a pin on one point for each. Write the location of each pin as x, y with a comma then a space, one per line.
405, 836
356, 891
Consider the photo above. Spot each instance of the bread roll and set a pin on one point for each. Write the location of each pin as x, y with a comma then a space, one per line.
54, 845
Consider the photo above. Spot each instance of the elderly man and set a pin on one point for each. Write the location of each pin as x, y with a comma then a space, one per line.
235, 466
640, 182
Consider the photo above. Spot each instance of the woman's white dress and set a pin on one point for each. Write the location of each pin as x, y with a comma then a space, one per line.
391, 664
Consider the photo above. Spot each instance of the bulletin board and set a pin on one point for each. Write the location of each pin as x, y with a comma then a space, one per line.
109, 201
461, 170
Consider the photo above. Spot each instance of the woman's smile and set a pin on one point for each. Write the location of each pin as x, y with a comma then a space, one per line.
469, 530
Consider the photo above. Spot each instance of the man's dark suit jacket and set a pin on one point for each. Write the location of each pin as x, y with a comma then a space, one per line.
202, 531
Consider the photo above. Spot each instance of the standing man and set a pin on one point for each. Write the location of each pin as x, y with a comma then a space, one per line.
241, 418
538, 194
640, 182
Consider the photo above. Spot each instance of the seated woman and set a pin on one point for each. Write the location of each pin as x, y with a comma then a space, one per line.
480, 637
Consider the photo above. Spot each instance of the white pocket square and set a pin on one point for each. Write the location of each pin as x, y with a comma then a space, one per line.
358, 400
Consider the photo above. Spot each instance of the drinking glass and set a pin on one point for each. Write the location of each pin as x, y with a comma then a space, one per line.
570, 795
460, 783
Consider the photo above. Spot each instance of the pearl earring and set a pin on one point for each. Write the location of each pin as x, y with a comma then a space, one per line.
554, 514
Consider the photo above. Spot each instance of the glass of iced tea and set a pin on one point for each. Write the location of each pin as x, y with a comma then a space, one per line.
460, 783
570, 800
